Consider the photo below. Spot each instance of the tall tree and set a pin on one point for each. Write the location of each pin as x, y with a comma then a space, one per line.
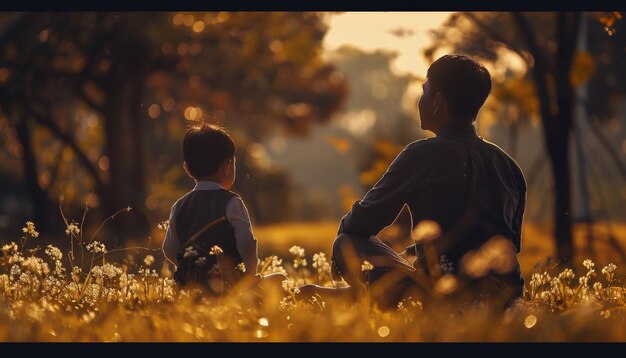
255, 70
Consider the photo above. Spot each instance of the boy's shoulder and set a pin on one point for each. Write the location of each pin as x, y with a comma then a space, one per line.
181, 199
227, 193
233, 193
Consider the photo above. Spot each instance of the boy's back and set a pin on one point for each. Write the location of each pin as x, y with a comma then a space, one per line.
199, 219
210, 234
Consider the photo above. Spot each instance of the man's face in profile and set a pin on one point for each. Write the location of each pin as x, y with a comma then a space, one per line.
426, 107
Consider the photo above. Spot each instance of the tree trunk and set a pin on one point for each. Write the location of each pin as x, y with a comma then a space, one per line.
556, 116
42, 205
126, 185
567, 34
558, 145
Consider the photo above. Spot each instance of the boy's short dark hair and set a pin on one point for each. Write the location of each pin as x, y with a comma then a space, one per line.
205, 147
463, 82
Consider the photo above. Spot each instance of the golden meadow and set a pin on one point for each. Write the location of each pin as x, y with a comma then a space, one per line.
91, 293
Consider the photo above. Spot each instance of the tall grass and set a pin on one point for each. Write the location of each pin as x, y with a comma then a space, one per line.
82, 295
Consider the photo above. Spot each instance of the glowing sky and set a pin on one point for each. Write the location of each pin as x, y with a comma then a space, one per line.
371, 31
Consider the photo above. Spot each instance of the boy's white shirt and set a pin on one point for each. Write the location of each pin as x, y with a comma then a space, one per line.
237, 216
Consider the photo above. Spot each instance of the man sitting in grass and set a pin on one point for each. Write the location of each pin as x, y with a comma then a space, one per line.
463, 188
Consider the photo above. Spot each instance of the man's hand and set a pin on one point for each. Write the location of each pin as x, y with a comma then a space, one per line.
407, 256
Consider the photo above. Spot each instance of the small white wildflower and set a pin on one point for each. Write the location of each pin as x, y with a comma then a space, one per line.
36, 266
97, 271
535, 280
597, 287
286, 302
583, 281
128, 209
321, 263
216, 250
54, 252
366, 266
10, 249
96, 247
16, 258
111, 271
190, 252
241, 267
555, 283
163, 225
289, 285
299, 263
201, 261
567, 274
148, 260
59, 270
15, 270
610, 268
299, 260
609, 271
276, 266
72, 229
588, 264
30, 229
26, 278
296, 251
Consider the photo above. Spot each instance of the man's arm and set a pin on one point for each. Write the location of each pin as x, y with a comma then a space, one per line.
237, 215
381, 205
519, 217
171, 243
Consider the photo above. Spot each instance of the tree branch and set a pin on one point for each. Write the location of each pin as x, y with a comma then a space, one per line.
69, 141
492, 33
539, 70
12, 26
83, 96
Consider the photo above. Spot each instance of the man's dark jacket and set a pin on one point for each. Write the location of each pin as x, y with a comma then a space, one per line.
468, 185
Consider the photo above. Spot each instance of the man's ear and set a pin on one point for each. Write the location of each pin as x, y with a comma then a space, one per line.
186, 167
438, 103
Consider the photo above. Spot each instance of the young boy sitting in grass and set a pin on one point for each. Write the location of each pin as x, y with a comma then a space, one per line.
209, 237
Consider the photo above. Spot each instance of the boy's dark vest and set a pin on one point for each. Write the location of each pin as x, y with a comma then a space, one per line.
200, 224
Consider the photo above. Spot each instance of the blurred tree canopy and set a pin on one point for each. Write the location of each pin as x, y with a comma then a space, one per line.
377, 122
99, 102
554, 67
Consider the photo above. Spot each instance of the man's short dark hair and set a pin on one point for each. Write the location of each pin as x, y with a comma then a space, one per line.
205, 147
463, 82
